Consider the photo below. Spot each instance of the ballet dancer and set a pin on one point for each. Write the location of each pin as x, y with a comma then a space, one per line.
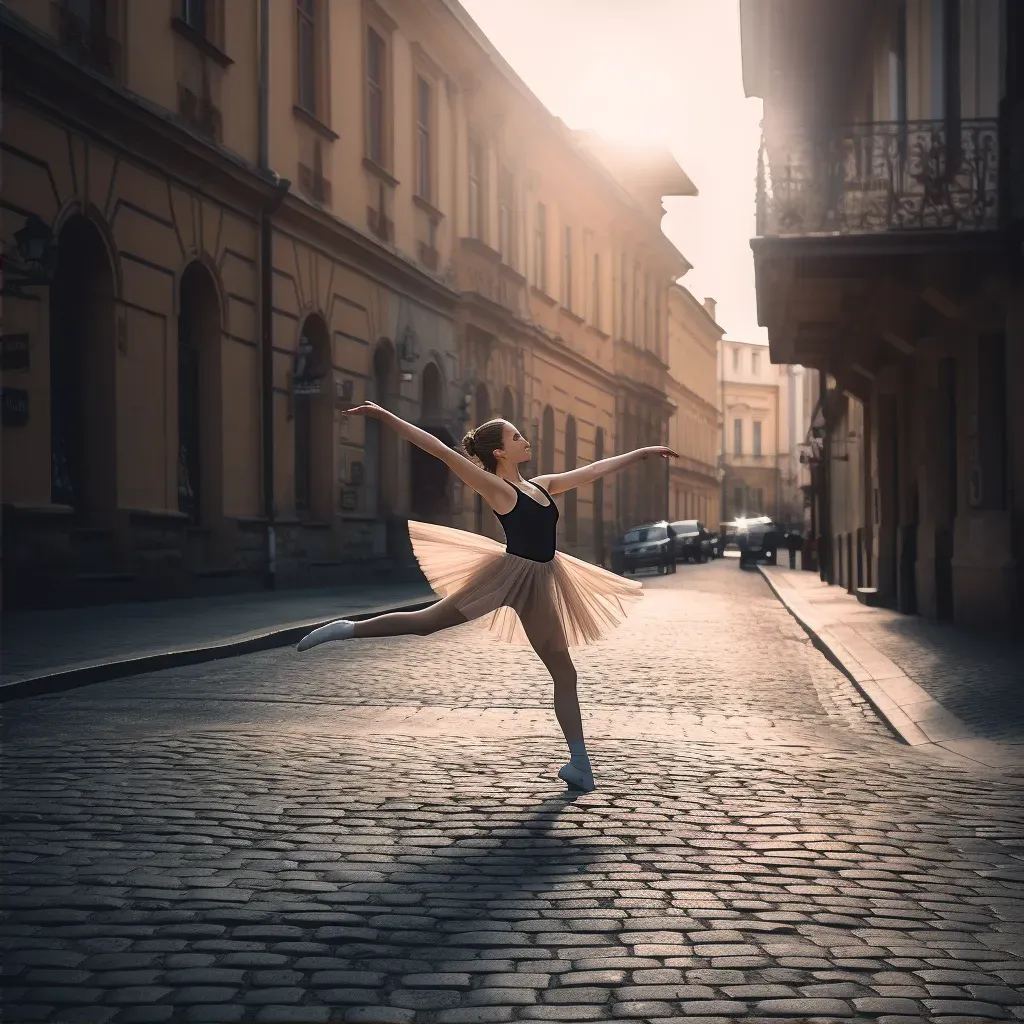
533, 593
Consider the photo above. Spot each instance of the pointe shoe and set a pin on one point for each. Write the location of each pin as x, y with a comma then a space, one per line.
342, 629
577, 778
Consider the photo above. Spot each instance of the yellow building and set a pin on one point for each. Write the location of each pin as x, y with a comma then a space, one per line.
753, 414
696, 424
257, 221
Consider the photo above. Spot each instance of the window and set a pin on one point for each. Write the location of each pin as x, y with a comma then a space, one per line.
737, 501
306, 54
757, 437
595, 312
755, 363
376, 60
424, 150
506, 211
540, 248
193, 13
476, 170
737, 437
567, 268
736, 360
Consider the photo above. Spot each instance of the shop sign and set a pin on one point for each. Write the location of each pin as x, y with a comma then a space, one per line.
14, 353
13, 407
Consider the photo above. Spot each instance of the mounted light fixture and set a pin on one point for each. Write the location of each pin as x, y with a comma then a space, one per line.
33, 259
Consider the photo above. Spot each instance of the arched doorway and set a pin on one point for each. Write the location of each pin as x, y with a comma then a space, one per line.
571, 496
313, 422
483, 414
83, 391
547, 441
199, 397
429, 478
508, 405
599, 501
381, 443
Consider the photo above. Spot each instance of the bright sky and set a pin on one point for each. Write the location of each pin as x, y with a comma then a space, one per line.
665, 71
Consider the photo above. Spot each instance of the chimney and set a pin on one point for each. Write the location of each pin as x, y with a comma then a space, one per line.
710, 305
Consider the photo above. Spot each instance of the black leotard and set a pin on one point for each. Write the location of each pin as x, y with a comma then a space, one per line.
530, 527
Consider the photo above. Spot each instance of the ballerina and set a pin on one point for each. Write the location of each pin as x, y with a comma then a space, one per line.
533, 593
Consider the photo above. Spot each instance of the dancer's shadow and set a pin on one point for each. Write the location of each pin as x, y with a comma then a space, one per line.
488, 884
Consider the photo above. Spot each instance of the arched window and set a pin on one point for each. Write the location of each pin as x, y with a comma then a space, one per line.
483, 414
313, 422
547, 441
571, 496
432, 394
508, 405
83, 425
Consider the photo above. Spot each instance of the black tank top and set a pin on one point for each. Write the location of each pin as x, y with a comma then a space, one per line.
530, 527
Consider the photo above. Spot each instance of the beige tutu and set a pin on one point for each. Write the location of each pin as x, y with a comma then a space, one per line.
551, 605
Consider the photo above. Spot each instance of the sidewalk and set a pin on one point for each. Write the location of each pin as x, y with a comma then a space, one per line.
932, 682
42, 651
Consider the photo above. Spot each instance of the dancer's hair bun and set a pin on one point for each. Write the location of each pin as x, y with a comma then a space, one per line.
469, 444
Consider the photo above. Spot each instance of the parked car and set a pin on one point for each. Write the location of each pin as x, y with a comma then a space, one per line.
758, 540
692, 541
645, 547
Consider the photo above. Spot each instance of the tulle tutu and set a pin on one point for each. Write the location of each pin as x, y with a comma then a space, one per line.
552, 605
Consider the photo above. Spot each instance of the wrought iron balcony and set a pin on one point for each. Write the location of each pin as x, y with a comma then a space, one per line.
881, 177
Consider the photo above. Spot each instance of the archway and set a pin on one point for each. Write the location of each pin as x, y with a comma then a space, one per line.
547, 441
200, 430
483, 414
429, 478
571, 496
382, 444
313, 422
508, 405
599, 501
83, 388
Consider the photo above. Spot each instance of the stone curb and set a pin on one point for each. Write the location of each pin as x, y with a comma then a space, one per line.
833, 658
231, 647
907, 709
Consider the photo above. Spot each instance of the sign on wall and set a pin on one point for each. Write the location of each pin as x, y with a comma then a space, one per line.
14, 352
13, 407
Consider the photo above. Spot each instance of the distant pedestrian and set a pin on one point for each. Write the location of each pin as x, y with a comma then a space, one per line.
532, 592
795, 543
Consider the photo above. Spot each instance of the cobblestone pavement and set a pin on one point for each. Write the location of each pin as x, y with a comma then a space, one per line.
374, 832
39, 641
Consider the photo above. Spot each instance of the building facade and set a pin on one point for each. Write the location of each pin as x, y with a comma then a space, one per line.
888, 258
696, 424
759, 435
251, 216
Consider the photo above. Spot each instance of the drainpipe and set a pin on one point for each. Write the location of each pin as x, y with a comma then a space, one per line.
267, 294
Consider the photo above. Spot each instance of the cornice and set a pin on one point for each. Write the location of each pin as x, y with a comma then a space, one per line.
44, 77
341, 241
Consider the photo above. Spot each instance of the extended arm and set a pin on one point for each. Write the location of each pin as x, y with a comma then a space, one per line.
487, 485
556, 483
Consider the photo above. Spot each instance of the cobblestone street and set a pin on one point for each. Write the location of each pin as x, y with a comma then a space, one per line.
374, 832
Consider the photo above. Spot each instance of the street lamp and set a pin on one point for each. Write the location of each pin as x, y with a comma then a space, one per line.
32, 261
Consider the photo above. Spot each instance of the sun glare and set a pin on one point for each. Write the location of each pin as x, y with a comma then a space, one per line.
626, 104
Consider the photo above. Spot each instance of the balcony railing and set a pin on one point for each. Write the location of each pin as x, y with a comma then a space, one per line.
887, 176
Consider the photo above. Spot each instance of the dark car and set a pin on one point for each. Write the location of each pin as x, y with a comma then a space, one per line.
758, 540
645, 547
693, 542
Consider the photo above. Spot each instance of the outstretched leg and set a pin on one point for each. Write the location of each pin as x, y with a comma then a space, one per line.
441, 615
